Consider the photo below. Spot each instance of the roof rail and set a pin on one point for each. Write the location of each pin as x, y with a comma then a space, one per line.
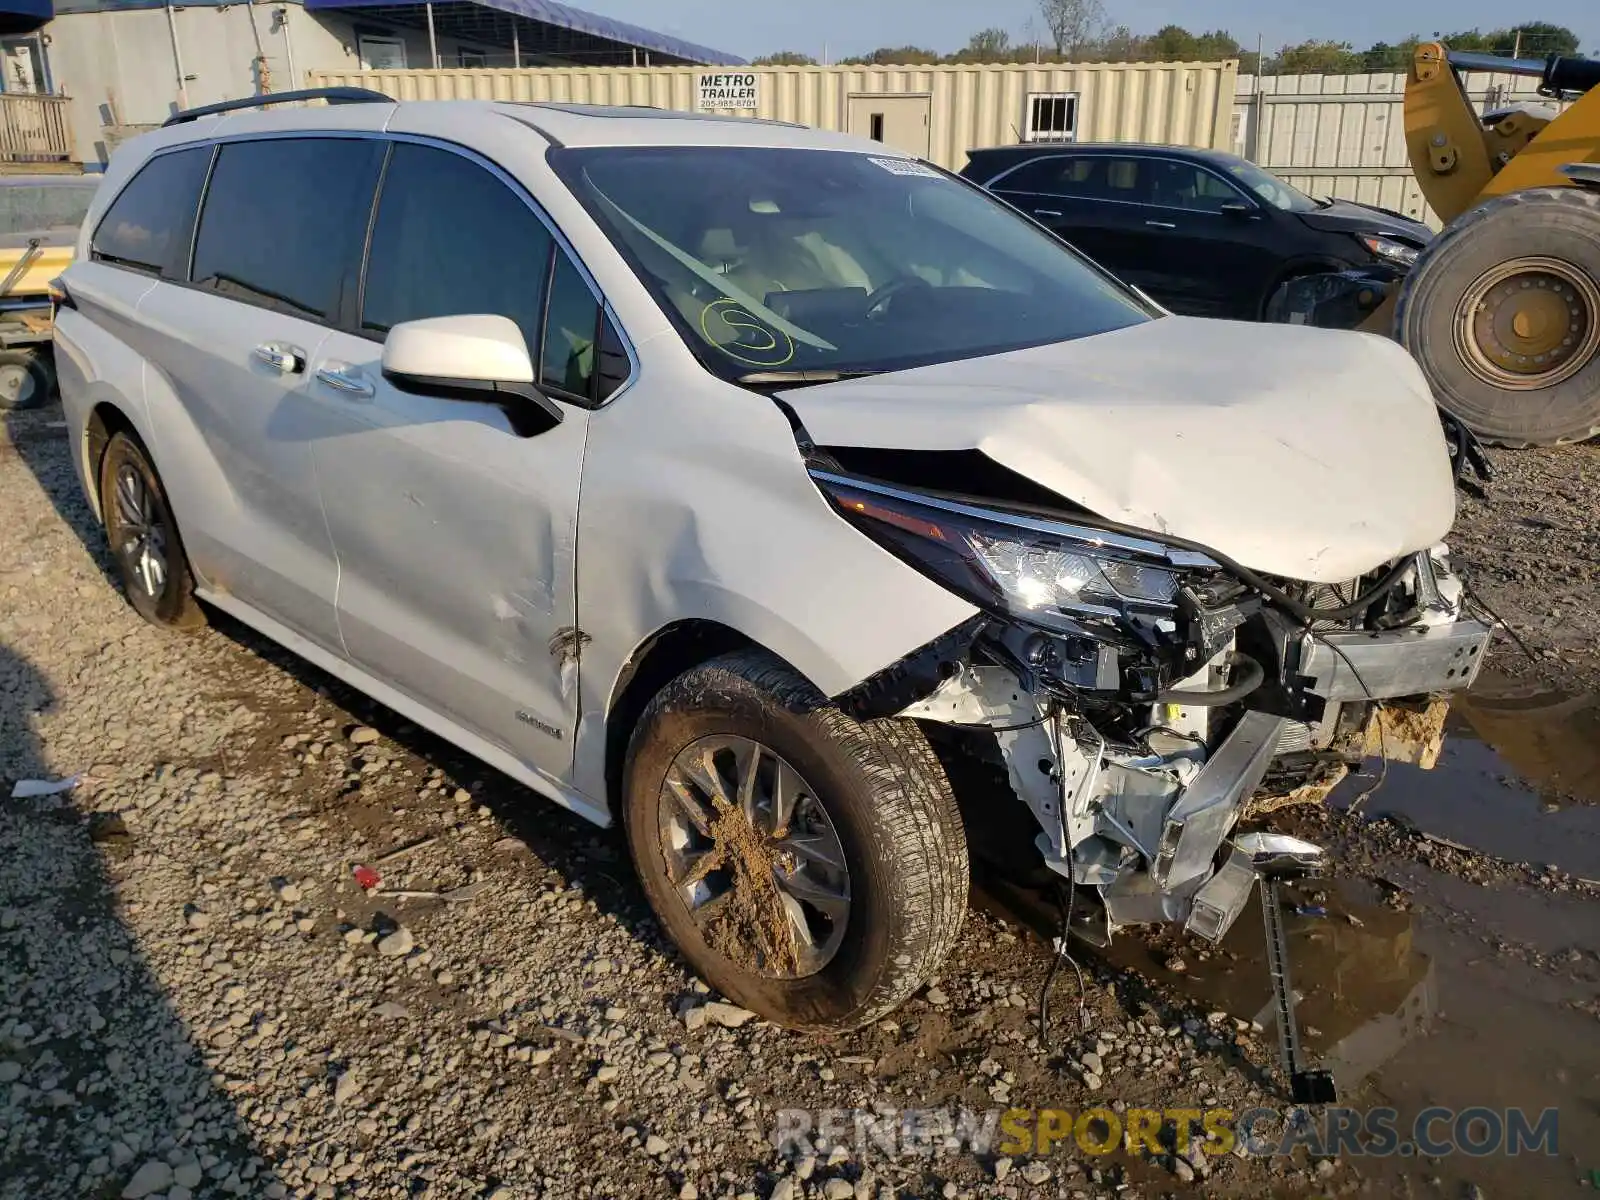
333, 95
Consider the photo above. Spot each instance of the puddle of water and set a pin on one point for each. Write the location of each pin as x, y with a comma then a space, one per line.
1513, 753
1364, 990
1550, 739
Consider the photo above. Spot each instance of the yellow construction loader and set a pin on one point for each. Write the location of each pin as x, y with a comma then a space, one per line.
1502, 309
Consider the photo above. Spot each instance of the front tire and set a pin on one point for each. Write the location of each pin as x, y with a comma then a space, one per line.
1502, 312
810, 867
144, 537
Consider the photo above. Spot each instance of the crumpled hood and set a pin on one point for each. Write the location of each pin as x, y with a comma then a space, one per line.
1348, 217
1306, 453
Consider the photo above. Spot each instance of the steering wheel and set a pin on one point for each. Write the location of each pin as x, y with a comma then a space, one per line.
878, 301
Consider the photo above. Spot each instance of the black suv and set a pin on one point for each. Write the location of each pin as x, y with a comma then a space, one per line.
1202, 232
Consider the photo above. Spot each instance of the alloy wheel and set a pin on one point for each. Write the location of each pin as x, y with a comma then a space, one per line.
140, 537
754, 858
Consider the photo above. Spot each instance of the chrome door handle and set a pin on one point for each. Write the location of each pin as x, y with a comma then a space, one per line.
291, 360
1161, 224
1045, 212
348, 381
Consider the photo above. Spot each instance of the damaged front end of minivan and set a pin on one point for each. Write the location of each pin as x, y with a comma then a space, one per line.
1145, 696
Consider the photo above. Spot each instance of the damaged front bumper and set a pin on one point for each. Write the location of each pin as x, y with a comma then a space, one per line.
1142, 800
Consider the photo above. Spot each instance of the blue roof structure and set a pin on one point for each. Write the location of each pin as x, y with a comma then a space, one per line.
20, 14
563, 16
574, 34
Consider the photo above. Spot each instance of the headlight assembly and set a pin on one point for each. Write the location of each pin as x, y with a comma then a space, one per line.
1389, 249
1049, 573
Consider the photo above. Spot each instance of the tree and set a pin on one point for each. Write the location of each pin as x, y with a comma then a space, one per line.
1121, 45
1073, 24
1218, 43
1531, 39
1316, 58
1173, 43
895, 56
1381, 57
1540, 38
987, 45
784, 58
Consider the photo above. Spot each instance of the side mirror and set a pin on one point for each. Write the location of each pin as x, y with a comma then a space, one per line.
1239, 211
479, 357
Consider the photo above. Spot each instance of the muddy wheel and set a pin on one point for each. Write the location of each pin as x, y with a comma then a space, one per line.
1502, 311
27, 378
811, 868
144, 537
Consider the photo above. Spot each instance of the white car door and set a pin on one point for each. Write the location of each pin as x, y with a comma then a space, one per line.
276, 261
456, 535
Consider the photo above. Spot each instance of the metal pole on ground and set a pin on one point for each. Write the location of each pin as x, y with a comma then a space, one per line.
433, 44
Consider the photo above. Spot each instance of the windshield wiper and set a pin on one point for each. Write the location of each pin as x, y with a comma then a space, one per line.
802, 378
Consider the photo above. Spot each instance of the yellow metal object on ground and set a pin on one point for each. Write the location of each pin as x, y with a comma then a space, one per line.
35, 278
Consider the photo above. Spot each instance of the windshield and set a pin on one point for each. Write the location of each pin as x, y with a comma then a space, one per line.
823, 261
1270, 188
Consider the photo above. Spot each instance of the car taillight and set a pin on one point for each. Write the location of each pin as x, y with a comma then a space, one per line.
59, 296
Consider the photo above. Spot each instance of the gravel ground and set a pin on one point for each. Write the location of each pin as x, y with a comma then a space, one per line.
1532, 550
198, 997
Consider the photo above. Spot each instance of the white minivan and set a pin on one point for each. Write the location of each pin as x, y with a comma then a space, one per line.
811, 513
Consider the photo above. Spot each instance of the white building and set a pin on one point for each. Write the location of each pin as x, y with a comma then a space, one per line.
127, 65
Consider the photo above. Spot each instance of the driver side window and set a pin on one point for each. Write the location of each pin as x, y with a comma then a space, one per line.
451, 238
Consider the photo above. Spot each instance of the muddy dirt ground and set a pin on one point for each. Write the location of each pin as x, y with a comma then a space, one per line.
197, 998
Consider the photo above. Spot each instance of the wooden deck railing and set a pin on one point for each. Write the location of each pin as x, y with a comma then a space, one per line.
34, 129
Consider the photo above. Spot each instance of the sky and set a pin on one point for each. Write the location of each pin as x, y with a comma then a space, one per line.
847, 27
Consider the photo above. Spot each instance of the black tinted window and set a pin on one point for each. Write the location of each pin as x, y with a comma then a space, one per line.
450, 239
1130, 180
569, 333
284, 222
1184, 185
1041, 175
148, 225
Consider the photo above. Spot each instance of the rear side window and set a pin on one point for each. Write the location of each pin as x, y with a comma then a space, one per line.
449, 239
284, 223
149, 225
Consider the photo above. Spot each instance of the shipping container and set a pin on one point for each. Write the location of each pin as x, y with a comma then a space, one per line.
936, 112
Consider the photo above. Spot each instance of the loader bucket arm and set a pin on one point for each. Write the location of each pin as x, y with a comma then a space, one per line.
1445, 139
1459, 161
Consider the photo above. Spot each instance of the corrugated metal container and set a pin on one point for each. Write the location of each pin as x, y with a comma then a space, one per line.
1345, 135
940, 112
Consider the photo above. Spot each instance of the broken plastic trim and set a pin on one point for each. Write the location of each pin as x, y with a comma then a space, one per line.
914, 677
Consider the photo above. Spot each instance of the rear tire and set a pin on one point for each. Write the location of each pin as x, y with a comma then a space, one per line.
885, 801
144, 537
27, 378
1553, 226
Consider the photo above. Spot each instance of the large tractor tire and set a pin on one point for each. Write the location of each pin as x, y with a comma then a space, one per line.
1502, 311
